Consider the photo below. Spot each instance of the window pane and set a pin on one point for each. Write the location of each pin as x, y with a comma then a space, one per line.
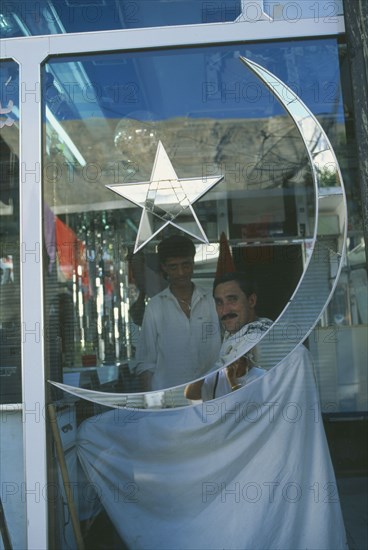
10, 358
28, 17
340, 338
110, 120
106, 118
13, 514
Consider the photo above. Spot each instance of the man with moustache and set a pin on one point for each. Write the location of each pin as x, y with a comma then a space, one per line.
235, 299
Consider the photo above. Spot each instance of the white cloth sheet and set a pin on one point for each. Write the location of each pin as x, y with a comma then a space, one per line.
250, 470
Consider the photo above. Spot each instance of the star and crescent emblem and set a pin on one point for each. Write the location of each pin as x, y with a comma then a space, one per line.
166, 199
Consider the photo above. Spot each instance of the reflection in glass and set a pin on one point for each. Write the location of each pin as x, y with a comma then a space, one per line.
13, 506
305, 307
44, 17
97, 286
136, 126
10, 357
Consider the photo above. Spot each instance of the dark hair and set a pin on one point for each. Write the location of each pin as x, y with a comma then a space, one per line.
246, 284
176, 246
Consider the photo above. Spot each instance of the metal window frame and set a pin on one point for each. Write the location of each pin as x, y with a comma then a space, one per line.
30, 53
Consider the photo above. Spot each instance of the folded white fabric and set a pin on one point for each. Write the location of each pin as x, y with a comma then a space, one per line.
250, 470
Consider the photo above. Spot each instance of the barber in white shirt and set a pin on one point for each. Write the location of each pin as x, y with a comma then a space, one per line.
180, 338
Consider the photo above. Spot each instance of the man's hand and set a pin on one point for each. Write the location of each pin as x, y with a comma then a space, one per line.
237, 369
193, 391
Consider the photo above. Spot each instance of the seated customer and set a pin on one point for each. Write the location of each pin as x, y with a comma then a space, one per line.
235, 301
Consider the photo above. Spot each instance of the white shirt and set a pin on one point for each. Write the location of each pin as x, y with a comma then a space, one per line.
175, 348
211, 389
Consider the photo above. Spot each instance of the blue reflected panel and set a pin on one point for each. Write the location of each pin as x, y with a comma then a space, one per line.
196, 82
31, 18
10, 357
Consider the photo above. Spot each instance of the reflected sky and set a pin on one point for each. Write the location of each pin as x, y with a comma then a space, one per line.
117, 85
36, 17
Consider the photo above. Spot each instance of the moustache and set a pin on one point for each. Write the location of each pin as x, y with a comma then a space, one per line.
228, 316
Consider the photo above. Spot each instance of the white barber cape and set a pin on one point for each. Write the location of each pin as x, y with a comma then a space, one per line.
247, 471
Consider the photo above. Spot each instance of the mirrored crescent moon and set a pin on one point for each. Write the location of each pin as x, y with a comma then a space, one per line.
305, 306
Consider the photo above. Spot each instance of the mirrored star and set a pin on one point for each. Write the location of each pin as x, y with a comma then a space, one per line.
166, 199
